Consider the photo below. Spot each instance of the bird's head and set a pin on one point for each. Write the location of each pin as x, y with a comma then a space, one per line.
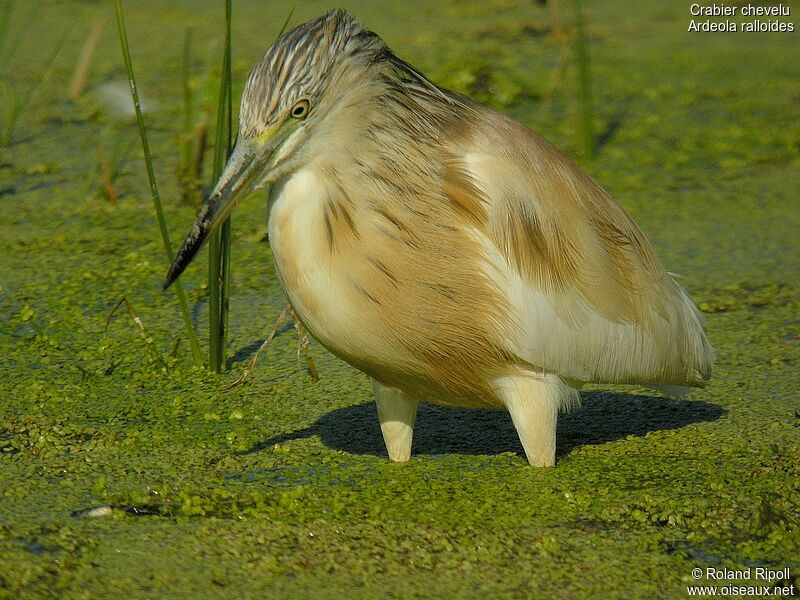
318, 70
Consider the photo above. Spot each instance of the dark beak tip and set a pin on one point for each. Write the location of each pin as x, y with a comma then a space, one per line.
200, 231
175, 270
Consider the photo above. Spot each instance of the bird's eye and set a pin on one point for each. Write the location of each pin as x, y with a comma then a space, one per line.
300, 110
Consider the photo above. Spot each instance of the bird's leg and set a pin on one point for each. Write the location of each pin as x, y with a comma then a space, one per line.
302, 345
397, 413
533, 403
251, 365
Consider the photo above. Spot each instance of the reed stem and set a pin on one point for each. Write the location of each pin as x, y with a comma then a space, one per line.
219, 254
84, 64
184, 169
585, 127
19, 104
162, 223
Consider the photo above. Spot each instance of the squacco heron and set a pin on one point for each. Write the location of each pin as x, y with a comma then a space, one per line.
445, 250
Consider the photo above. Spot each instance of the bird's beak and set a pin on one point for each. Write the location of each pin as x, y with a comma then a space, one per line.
239, 177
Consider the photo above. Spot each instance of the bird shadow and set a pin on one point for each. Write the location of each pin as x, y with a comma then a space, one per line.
245, 352
602, 417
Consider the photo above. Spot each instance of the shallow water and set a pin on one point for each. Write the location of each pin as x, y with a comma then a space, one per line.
280, 487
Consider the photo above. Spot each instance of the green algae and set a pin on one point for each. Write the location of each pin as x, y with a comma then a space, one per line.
280, 487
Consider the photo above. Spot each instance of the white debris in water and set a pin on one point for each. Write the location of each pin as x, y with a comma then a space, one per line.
98, 511
116, 97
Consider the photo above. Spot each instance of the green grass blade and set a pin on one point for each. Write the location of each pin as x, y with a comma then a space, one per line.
220, 242
8, 44
225, 259
162, 223
20, 105
286, 23
188, 108
585, 127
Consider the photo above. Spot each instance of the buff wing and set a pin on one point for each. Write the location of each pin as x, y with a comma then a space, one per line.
590, 300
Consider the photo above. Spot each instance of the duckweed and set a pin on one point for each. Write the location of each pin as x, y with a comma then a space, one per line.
125, 471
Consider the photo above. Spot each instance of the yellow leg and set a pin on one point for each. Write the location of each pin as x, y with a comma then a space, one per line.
397, 413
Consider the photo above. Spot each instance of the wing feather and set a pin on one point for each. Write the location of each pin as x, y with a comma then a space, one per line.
592, 300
